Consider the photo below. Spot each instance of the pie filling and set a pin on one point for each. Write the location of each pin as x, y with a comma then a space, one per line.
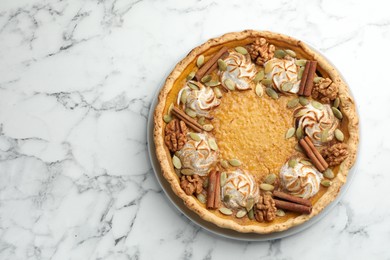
255, 132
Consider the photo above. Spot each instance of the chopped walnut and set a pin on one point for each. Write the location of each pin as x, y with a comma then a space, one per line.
325, 90
191, 184
335, 154
265, 209
175, 135
261, 51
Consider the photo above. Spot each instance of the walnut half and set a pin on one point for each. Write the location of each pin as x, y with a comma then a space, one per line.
335, 154
261, 51
265, 209
325, 90
175, 135
191, 184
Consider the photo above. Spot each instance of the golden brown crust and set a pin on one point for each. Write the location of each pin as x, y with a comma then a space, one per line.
347, 107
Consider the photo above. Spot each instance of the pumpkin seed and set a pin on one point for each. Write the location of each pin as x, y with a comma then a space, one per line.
190, 112
226, 198
292, 163
241, 214
183, 97
187, 171
293, 103
251, 214
300, 72
287, 86
300, 113
324, 136
267, 187
170, 109
280, 54
280, 213
195, 137
317, 80
304, 162
259, 76
167, 118
234, 162
224, 164
208, 127
200, 61
326, 183
336, 103
202, 120
249, 204
205, 79
259, 90
303, 101
290, 132
316, 104
299, 133
291, 53
328, 173
206, 183
268, 67
266, 82
272, 93
230, 84
298, 148
223, 178
178, 173
300, 62
337, 113
191, 75
339, 135
226, 211
213, 145
176, 162
222, 65
213, 83
241, 50
201, 198
217, 92
192, 85
270, 179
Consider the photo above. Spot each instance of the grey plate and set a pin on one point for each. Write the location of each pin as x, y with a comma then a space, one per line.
227, 233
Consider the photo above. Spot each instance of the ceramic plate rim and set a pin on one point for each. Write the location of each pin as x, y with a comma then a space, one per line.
228, 233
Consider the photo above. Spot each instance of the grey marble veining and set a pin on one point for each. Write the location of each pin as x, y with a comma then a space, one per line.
76, 82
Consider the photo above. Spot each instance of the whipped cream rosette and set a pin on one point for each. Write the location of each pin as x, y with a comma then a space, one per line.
302, 180
196, 156
282, 71
241, 190
201, 100
315, 120
240, 70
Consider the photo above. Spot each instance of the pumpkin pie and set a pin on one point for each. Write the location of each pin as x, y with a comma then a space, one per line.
255, 131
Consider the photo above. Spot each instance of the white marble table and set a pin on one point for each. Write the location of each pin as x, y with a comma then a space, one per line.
76, 82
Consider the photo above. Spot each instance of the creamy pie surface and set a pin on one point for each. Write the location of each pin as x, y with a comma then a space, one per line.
250, 127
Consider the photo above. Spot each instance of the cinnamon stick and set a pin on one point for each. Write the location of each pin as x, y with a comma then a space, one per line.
316, 153
215, 65
211, 190
302, 84
212, 61
187, 119
294, 207
291, 198
311, 155
310, 77
217, 196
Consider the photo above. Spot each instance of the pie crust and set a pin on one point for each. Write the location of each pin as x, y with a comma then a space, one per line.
324, 67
